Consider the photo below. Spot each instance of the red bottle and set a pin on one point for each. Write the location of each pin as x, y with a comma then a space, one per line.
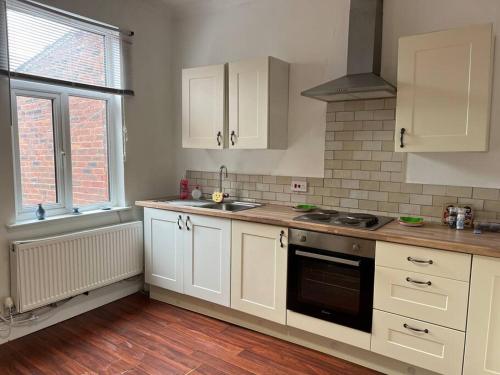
184, 188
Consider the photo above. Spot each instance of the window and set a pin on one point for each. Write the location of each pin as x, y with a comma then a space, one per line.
66, 96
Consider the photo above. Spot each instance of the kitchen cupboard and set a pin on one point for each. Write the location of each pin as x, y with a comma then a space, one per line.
259, 270
163, 244
188, 254
483, 324
258, 104
419, 343
444, 90
420, 306
204, 107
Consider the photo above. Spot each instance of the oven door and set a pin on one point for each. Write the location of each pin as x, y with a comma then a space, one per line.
331, 286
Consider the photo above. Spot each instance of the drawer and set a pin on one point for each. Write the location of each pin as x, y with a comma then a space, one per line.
434, 348
424, 260
443, 302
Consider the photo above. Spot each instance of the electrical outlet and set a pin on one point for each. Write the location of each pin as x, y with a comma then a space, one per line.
299, 186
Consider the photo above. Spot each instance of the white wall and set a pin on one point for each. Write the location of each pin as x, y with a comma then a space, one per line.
408, 17
150, 157
311, 35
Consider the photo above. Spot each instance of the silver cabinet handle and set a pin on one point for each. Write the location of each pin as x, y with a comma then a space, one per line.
415, 329
179, 221
410, 280
188, 220
233, 135
420, 261
219, 136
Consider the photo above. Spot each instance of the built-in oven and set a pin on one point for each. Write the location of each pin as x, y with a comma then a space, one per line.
330, 277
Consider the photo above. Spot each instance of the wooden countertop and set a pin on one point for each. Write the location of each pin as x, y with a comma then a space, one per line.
430, 235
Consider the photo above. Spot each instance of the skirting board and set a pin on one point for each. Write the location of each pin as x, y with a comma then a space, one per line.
337, 349
79, 305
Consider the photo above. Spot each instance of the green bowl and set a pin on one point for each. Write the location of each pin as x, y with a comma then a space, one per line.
304, 207
411, 219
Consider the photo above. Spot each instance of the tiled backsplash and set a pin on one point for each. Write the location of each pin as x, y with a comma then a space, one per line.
362, 172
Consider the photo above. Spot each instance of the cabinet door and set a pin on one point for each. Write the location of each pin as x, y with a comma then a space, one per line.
207, 258
258, 270
444, 90
483, 324
163, 249
248, 104
203, 107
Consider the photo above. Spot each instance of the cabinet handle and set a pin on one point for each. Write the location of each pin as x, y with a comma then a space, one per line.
233, 135
282, 234
415, 329
420, 261
179, 220
403, 131
410, 280
219, 136
188, 219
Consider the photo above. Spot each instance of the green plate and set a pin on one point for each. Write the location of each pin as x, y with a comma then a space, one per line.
304, 207
411, 221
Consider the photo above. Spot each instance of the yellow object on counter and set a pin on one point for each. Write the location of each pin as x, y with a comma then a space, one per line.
217, 196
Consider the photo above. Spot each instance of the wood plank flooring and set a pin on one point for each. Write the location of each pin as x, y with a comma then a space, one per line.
136, 335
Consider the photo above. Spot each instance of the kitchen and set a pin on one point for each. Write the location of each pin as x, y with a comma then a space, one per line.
407, 299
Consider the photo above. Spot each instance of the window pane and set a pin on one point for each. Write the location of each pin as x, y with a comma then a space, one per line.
48, 48
89, 150
36, 150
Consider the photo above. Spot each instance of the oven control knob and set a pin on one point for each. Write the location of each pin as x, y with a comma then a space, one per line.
356, 247
303, 238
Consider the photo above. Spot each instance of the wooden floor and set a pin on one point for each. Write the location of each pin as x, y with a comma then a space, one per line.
136, 335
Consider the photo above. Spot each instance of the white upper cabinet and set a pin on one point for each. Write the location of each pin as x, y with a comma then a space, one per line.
258, 104
482, 350
444, 90
203, 107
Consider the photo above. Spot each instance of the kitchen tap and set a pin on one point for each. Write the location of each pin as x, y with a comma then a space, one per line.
222, 170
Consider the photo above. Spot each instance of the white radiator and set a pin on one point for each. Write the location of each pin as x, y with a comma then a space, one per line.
48, 270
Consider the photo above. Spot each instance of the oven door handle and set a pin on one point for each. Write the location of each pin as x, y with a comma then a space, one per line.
354, 263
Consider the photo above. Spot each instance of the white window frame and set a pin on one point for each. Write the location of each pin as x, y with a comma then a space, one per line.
62, 146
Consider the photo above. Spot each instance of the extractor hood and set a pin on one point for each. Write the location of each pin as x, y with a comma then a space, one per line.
363, 79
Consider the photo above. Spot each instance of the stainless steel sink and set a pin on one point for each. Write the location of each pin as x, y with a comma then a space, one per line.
226, 206
232, 206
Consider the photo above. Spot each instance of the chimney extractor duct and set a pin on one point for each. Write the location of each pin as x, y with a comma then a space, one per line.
363, 79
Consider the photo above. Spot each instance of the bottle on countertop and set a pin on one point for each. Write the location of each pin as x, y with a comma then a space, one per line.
184, 188
452, 217
460, 218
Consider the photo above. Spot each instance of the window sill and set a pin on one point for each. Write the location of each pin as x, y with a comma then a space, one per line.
66, 217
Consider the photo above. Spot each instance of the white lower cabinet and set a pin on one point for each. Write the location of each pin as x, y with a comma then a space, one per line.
207, 258
188, 254
482, 352
429, 298
259, 270
418, 343
163, 243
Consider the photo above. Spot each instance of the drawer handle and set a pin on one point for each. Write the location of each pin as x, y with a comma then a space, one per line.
410, 280
420, 261
415, 329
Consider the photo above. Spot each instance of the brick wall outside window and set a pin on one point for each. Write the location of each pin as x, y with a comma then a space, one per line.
87, 126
